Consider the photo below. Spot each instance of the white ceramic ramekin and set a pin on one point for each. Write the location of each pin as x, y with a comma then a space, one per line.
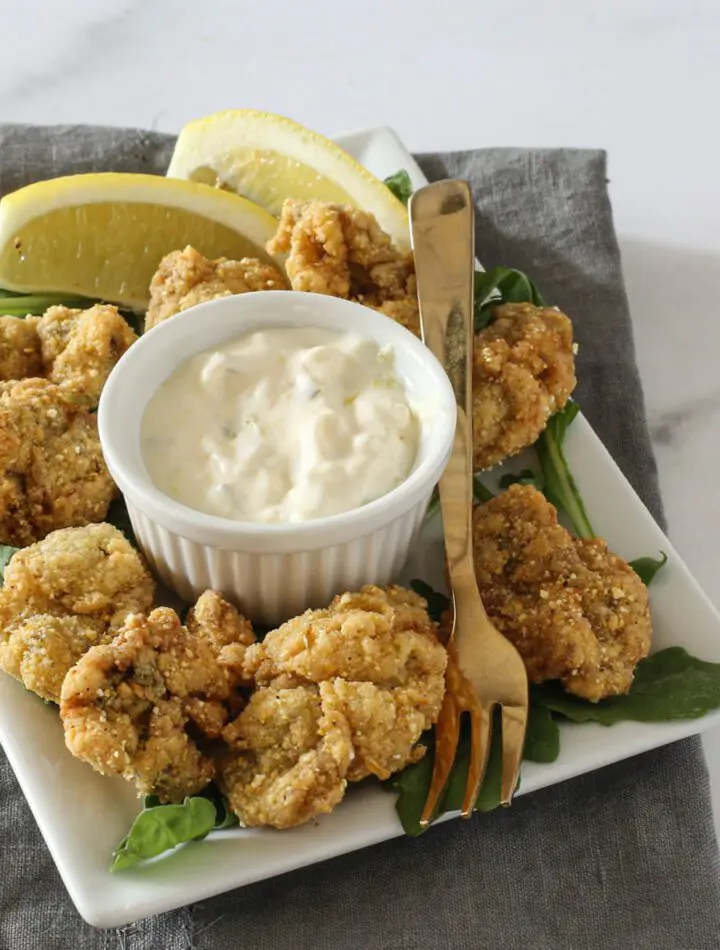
273, 571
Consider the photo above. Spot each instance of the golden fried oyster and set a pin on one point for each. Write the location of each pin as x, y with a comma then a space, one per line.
343, 252
523, 372
376, 660
575, 611
20, 351
136, 706
80, 347
226, 631
289, 760
63, 595
186, 278
52, 471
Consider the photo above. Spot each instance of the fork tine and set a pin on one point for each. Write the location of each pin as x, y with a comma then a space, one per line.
514, 722
447, 732
480, 727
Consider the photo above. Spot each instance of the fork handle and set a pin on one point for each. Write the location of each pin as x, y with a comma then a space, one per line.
443, 239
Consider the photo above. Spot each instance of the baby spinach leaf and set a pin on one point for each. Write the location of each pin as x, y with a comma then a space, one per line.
413, 782
560, 487
647, 567
502, 285
481, 494
670, 684
437, 603
224, 818
6, 552
400, 185
526, 477
161, 828
21, 305
489, 795
542, 738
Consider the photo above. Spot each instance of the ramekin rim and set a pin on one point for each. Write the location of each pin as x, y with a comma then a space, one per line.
159, 507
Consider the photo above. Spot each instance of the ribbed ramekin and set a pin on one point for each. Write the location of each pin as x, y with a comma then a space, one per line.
272, 571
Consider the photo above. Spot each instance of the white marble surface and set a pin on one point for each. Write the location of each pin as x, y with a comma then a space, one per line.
637, 77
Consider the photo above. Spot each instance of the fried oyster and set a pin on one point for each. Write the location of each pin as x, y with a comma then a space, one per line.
290, 758
80, 347
523, 372
186, 278
575, 611
74, 348
141, 705
365, 676
52, 471
343, 252
62, 596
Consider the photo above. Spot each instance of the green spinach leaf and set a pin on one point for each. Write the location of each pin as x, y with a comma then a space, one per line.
669, 685
23, 305
400, 185
560, 486
413, 783
502, 285
437, 603
526, 477
647, 567
542, 738
481, 494
161, 828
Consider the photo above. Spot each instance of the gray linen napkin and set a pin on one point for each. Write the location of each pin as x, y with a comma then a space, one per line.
621, 858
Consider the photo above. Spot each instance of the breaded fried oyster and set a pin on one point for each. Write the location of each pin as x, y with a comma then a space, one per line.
137, 706
343, 252
62, 596
289, 759
74, 348
375, 658
186, 278
575, 611
52, 471
80, 347
20, 351
523, 372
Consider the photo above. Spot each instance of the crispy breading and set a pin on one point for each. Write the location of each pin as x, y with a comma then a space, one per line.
186, 278
227, 631
523, 372
20, 351
63, 595
377, 661
52, 471
126, 705
39, 649
343, 252
92, 571
575, 611
289, 760
80, 347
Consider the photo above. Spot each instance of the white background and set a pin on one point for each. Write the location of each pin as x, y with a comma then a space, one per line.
636, 77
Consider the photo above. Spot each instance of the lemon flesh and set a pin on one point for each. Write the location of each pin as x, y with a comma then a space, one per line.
267, 158
103, 236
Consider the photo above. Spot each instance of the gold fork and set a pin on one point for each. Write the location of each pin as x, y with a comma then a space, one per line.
485, 670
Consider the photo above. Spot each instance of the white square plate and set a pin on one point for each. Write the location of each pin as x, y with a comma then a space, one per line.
83, 815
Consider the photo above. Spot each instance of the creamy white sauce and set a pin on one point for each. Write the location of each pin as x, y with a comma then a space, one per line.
281, 425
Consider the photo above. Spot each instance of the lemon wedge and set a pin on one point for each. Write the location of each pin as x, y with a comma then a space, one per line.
268, 158
103, 235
